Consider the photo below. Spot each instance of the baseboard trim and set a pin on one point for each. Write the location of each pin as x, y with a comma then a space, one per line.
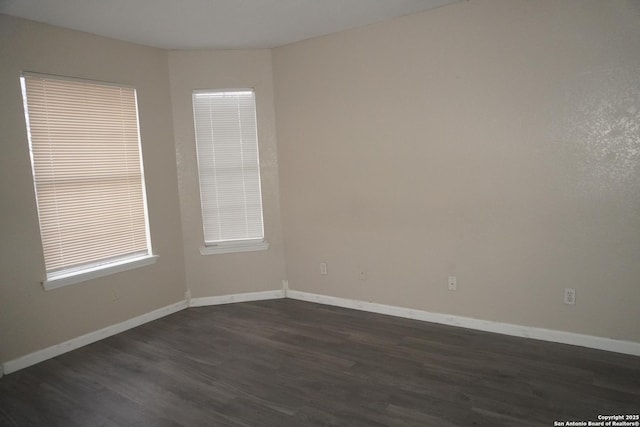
74, 343
590, 341
231, 298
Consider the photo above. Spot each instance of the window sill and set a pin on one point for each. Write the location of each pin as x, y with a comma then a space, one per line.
234, 247
95, 272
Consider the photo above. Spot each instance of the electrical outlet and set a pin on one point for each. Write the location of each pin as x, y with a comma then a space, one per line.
115, 295
362, 273
453, 283
323, 268
569, 296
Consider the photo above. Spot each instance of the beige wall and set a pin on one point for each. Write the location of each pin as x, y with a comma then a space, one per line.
212, 275
494, 140
31, 318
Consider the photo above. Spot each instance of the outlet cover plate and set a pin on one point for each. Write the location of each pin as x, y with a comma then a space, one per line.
323, 268
569, 296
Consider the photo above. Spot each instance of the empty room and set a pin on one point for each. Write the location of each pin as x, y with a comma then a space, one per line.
320, 213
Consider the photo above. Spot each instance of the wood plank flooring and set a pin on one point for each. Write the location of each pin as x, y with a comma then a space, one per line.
291, 363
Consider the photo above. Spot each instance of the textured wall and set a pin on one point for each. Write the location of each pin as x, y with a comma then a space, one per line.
222, 274
494, 140
31, 318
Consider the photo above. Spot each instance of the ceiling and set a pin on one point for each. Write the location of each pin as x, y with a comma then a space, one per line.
213, 24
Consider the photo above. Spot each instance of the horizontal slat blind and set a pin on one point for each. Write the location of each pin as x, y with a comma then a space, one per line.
88, 171
228, 165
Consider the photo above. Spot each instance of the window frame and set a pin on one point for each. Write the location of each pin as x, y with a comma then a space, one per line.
239, 245
69, 275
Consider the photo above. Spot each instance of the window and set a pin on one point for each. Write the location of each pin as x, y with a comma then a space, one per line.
229, 170
87, 168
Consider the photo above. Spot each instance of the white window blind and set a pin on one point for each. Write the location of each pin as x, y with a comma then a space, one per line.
87, 167
228, 166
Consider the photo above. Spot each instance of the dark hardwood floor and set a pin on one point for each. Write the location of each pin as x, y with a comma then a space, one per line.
291, 363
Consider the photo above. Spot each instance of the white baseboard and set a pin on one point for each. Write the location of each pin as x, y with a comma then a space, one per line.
91, 337
74, 343
228, 299
600, 343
